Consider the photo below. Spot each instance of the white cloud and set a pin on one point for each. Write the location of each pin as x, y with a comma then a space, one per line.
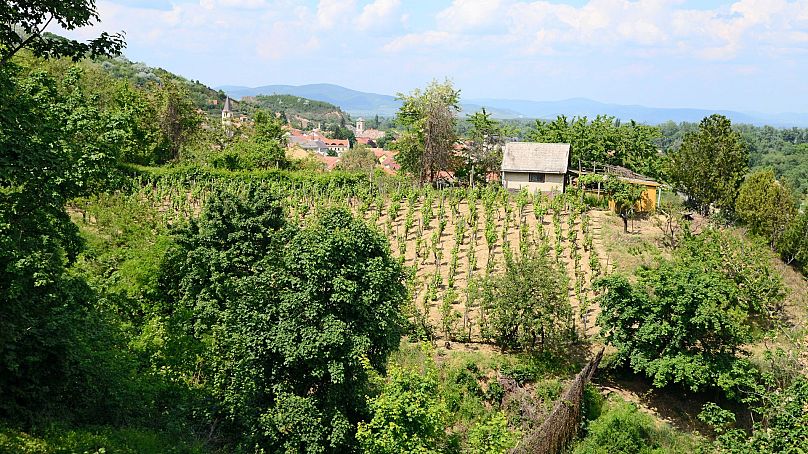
377, 13
419, 40
636, 27
332, 12
471, 14
233, 4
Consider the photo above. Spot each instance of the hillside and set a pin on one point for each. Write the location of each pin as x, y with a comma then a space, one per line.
355, 102
367, 104
141, 74
294, 108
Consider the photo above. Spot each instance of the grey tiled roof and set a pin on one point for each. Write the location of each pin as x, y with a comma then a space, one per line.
536, 157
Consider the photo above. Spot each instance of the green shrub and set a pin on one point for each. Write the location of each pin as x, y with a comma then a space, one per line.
492, 436
623, 429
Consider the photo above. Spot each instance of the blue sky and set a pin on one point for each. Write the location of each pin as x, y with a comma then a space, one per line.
749, 55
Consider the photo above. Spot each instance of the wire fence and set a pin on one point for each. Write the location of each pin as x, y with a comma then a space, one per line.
561, 426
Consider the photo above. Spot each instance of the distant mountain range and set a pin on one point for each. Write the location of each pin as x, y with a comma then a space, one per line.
359, 103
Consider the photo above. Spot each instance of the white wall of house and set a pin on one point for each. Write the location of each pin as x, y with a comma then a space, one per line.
553, 182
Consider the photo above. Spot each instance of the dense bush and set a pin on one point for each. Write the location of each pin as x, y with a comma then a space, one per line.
53, 347
623, 429
687, 318
288, 319
408, 416
528, 306
766, 205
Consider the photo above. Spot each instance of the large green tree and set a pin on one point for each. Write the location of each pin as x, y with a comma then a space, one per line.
527, 307
484, 151
625, 197
687, 318
270, 136
55, 145
765, 205
176, 116
289, 318
793, 244
710, 165
23, 24
408, 416
603, 140
359, 158
429, 118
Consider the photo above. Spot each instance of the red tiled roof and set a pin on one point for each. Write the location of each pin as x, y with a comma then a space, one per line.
329, 161
336, 142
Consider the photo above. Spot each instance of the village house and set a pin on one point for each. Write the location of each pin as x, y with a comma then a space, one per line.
366, 141
535, 166
308, 144
370, 133
651, 190
338, 146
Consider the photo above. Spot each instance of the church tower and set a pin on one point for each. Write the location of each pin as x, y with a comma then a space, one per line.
360, 126
227, 112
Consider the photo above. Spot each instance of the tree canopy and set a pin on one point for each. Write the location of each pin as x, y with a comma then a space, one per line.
604, 140
687, 318
710, 165
23, 24
527, 307
429, 119
288, 319
483, 152
766, 205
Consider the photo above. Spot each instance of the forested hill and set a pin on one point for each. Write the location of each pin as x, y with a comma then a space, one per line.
141, 74
295, 107
212, 101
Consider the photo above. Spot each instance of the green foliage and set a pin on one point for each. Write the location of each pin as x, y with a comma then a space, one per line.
710, 164
288, 318
527, 307
484, 152
408, 415
98, 440
686, 319
625, 196
782, 150
52, 349
358, 159
176, 117
793, 245
134, 126
603, 140
142, 77
622, 429
492, 436
781, 425
765, 205
262, 150
24, 23
293, 106
429, 120
248, 155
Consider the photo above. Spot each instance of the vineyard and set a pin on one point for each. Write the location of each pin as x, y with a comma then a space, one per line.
447, 238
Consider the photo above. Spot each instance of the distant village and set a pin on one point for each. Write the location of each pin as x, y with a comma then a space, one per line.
537, 167
313, 143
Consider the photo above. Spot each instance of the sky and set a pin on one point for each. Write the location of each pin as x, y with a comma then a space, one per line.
746, 55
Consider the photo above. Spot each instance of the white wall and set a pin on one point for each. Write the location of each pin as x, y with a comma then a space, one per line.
553, 182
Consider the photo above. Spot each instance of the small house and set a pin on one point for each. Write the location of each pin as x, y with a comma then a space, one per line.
535, 166
651, 190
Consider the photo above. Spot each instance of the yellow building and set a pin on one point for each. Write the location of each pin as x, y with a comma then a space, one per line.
651, 189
